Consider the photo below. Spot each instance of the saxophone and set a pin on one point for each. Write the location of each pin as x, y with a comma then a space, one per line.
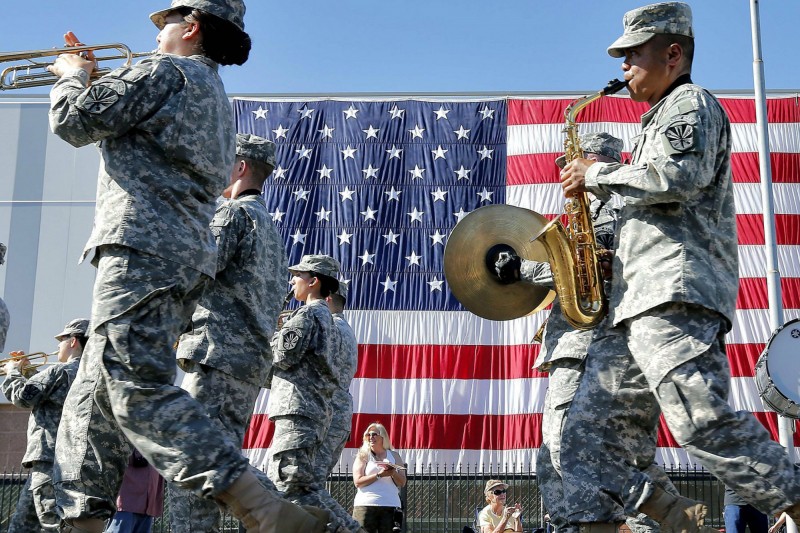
572, 250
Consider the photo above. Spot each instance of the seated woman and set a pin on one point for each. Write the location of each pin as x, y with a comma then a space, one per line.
378, 476
496, 517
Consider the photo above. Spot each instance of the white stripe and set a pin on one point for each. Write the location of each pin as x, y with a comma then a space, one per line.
753, 260
548, 138
752, 325
744, 396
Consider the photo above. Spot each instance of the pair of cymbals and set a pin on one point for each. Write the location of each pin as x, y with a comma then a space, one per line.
472, 249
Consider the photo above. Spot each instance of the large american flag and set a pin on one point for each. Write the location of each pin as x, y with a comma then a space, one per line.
380, 183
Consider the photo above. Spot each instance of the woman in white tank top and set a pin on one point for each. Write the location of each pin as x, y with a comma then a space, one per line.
378, 475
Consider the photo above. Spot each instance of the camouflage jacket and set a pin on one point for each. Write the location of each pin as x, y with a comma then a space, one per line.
165, 132
676, 237
236, 317
304, 355
44, 394
5, 321
345, 367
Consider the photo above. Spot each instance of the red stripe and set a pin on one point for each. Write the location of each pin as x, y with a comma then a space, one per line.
751, 229
742, 358
768, 420
622, 109
753, 293
535, 169
421, 431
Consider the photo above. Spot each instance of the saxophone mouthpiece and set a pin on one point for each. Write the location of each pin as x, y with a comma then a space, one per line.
614, 86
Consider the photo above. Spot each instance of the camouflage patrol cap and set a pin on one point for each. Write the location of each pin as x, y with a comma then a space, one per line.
600, 143
75, 328
229, 10
643, 23
343, 289
257, 148
321, 264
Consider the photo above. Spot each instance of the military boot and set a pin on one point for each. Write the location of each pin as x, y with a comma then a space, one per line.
263, 512
677, 513
83, 525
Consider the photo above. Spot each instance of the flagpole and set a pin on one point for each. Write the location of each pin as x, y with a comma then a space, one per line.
785, 425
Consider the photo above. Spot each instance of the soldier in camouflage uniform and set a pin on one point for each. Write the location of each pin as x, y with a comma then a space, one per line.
305, 356
5, 317
44, 394
166, 136
226, 354
673, 294
564, 351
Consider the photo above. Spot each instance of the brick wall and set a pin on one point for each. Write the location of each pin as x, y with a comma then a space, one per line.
13, 436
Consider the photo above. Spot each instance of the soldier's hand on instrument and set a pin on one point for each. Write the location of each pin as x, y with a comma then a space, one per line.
573, 177
606, 259
507, 267
66, 62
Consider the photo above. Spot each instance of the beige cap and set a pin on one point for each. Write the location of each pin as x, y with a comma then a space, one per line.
643, 23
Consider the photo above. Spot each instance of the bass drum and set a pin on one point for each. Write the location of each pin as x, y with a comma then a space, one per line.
778, 371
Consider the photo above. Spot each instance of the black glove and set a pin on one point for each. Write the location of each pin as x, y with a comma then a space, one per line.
507, 267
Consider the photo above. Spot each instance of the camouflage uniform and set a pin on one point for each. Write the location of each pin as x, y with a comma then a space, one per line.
44, 393
673, 294
5, 317
166, 137
226, 354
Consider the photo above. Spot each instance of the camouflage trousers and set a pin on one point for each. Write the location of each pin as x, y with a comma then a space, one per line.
565, 375
124, 390
36, 507
295, 444
229, 403
693, 397
330, 450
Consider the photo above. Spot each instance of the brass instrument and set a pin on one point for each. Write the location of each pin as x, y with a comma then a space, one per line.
27, 69
30, 357
283, 315
572, 249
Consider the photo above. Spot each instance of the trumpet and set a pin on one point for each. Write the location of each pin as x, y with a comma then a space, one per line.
29, 68
30, 357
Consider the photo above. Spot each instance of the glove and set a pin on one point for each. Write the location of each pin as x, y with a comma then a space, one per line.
507, 267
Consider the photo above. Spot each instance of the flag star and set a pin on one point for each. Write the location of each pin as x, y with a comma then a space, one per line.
485, 196
369, 214
301, 194
350, 112
344, 237
437, 238
298, 237
349, 152
435, 284
396, 112
280, 132
413, 259
393, 194
391, 237
439, 152
388, 285
486, 112
485, 152
438, 194
416, 172
279, 173
462, 133
326, 132
347, 194
371, 132
416, 132
305, 112
322, 214
324, 172
441, 112
416, 215
367, 258
460, 214
304, 152
260, 112
394, 152
345, 282
277, 216
370, 172
463, 173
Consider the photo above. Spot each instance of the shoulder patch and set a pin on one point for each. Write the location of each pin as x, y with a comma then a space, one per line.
289, 339
680, 135
102, 96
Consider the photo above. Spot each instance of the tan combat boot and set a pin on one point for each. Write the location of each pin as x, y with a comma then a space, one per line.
262, 512
680, 514
84, 525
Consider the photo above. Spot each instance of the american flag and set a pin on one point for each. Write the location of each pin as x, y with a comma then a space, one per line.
379, 184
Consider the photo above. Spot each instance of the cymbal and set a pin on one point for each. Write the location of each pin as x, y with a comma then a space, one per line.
472, 249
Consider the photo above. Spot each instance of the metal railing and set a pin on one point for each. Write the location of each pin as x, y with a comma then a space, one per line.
439, 498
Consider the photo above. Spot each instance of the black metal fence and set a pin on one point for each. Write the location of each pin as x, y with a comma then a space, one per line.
440, 498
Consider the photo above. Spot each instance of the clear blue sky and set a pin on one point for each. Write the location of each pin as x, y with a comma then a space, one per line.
424, 46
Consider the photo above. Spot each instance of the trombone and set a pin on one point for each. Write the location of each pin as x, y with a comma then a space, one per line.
29, 68
30, 357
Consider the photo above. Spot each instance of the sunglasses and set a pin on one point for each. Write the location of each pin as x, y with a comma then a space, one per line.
498, 492
372, 434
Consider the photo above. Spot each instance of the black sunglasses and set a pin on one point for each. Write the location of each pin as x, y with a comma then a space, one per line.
498, 492
372, 434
